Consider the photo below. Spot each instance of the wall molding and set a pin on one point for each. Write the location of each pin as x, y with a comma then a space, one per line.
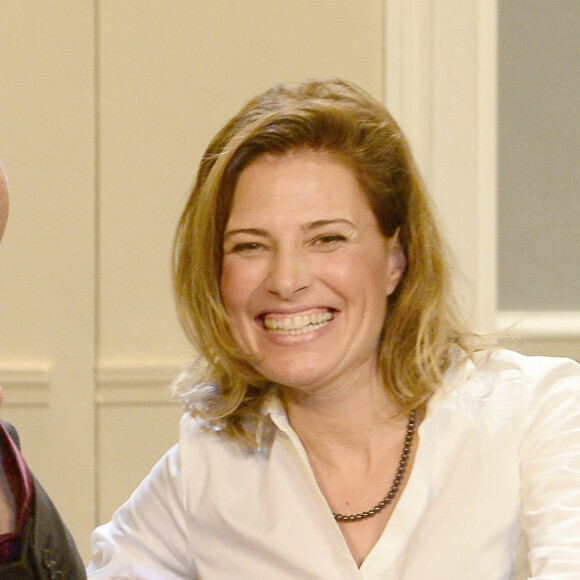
440, 83
487, 154
541, 325
26, 384
135, 383
408, 74
542, 333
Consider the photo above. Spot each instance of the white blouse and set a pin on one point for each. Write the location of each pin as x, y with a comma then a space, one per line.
494, 493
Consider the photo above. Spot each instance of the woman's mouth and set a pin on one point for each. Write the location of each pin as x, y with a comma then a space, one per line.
296, 323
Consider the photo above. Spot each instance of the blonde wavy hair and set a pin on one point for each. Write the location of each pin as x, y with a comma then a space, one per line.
422, 330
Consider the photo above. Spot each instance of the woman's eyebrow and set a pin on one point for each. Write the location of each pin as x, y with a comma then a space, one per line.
327, 222
309, 226
251, 231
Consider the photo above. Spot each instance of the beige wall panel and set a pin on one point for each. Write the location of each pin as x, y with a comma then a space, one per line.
170, 75
441, 83
454, 159
47, 257
132, 439
463, 170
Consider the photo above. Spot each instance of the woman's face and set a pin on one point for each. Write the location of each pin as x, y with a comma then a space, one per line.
306, 271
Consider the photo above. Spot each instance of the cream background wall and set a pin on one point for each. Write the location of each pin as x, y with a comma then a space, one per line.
168, 77
105, 109
47, 261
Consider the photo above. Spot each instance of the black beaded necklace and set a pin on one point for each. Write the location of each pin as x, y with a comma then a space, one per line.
411, 425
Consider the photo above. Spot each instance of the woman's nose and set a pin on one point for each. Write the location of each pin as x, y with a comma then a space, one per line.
289, 273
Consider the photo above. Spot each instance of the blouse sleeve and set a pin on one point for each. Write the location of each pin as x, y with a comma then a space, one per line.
147, 536
550, 473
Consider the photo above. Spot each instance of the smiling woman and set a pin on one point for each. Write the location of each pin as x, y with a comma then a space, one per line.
346, 135
341, 417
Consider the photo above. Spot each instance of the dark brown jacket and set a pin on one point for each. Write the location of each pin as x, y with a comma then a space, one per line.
48, 550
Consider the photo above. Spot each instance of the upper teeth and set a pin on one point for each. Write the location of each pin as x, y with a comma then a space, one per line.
298, 322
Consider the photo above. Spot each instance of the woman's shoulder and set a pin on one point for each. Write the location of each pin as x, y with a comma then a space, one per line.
537, 372
196, 433
499, 391
500, 374
504, 359
208, 442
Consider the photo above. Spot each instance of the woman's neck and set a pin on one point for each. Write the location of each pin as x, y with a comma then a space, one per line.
355, 418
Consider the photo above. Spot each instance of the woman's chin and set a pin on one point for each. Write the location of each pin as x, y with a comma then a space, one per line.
297, 377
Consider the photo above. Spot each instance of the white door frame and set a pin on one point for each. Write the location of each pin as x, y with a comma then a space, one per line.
441, 85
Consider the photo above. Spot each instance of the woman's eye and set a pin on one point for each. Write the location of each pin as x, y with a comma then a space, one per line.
329, 240
245, 247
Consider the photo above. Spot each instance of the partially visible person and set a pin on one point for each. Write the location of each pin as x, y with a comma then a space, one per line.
34, 542
343, 422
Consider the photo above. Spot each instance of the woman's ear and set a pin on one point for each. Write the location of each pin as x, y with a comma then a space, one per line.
397, 263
